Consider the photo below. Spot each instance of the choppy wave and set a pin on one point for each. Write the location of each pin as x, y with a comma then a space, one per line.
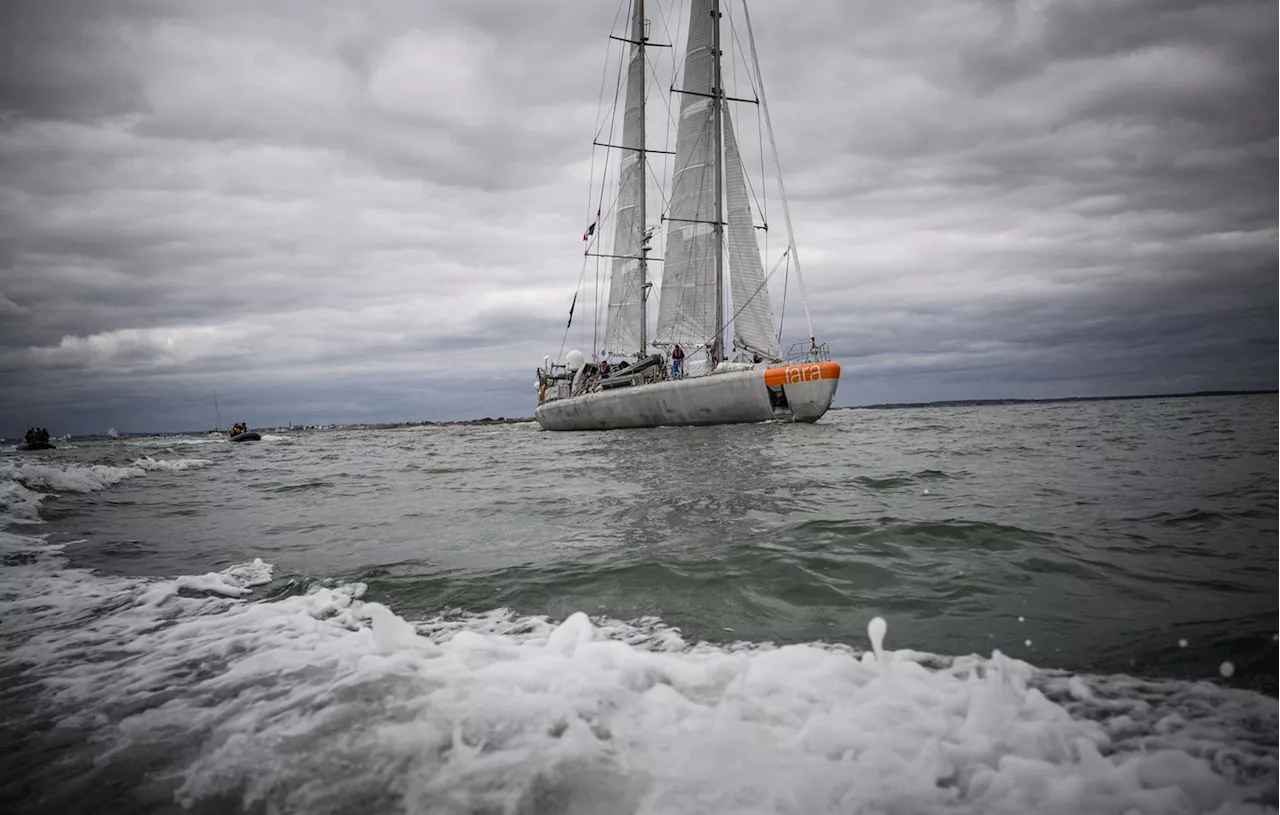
214, 697
502, 713
901, 480
154, 465
84, 478
176, 441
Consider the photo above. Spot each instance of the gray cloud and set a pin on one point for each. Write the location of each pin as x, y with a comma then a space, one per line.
330, 211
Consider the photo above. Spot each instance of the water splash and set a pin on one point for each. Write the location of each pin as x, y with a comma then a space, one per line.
876, 629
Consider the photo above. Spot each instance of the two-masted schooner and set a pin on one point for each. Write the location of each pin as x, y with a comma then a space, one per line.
684, 375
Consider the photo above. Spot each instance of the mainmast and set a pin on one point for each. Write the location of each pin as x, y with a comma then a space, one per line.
717, 101
638, 40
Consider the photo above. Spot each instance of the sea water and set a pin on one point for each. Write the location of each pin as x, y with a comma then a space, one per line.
974, 610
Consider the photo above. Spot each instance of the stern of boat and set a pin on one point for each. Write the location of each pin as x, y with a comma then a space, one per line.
805, 390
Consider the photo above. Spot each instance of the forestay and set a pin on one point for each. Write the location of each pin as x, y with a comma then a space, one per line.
752, 309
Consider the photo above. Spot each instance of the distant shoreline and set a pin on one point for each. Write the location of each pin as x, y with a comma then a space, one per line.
1052, 400
525, 419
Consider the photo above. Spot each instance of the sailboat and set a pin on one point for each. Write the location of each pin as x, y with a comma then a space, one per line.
684, 375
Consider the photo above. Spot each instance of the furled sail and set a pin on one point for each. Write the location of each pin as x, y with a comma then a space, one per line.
623, 331
752, 310
687, 312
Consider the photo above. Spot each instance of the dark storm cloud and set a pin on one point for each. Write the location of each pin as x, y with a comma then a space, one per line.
374, 210
1087, 181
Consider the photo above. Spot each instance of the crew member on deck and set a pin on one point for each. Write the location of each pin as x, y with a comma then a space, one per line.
604, 369
677, 361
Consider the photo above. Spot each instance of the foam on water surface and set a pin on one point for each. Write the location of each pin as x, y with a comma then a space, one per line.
84, 478
323, 702
165, 465
257, 701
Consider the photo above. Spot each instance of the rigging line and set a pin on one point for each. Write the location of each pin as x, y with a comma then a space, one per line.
736, 108
668, 161
751, 79
733, 69
764, 199
582, 276
678, 316
595, 319
764, 209
764, 187
733, 63
613, 122
662, 193
604, 73
782, 187
677, 58
603, 217
591, 179
613, 112
782, 315
741, 52
763, 284
652, 76
751, 187
671, 120
682, 297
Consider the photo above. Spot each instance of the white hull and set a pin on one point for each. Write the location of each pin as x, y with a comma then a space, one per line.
800, 393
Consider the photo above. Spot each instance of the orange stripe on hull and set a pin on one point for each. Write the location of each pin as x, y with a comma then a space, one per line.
804, 372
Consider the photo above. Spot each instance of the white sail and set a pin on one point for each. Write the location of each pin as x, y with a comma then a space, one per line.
623, 331
687, 312
708, 206
752, 309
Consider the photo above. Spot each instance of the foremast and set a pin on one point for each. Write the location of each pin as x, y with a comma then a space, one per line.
626, 331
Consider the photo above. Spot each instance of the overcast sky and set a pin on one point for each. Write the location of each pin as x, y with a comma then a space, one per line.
336, 211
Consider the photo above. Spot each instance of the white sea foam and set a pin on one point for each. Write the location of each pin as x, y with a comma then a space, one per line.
500, 713
235, 581
83, 478
176, 441
18, 503
153, 465
57, 477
